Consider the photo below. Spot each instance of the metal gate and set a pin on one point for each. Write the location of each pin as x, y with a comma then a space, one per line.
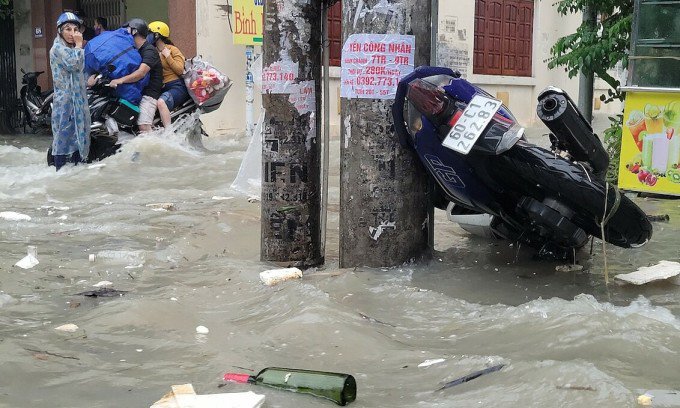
8, 75
112, 10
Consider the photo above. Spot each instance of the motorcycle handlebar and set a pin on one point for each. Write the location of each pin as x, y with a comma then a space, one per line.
400, 97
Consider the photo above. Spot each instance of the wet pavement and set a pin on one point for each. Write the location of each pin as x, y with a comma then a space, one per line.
567, 339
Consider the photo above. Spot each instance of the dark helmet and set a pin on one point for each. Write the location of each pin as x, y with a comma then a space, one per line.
139, 25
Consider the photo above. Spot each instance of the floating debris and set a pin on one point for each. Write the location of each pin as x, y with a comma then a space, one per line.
30, 260
184, 396
14, 216
68, 328
471, 376
569, 268
274, 276
660, 398
202, 330
162, 206
661, 271
221, 198
103, 292
430, 362
103, 284
576, 387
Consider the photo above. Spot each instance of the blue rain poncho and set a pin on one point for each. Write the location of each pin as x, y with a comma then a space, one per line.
70, 110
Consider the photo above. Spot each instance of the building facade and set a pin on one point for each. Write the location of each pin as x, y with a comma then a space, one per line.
501, 45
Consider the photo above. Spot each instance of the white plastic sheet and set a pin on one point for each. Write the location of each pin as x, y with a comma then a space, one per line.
249, 178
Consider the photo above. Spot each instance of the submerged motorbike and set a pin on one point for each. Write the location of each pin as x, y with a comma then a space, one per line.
37, 105
476, 152
112, 118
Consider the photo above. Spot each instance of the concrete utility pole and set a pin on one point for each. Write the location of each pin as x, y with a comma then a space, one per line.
291, 230
383, 188
586, 82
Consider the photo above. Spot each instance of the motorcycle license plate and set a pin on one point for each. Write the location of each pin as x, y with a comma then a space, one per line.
471, 124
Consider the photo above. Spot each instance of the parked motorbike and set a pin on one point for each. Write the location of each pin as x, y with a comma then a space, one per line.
112, 117
37, 105
475, 150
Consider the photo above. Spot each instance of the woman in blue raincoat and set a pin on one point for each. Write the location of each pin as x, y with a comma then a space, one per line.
70, 111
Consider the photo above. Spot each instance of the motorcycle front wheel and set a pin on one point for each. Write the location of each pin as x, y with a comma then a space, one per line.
540, 174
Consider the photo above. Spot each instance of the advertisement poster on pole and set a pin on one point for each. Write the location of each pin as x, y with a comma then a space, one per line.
373, 64
248, 22
650, 146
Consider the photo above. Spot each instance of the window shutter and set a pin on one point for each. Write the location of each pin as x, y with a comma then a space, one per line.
503, 37
335, 33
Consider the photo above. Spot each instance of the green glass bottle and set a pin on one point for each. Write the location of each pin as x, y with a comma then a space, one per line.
337, 387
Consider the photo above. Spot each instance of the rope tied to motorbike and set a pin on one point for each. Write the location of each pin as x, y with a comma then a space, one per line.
605, 219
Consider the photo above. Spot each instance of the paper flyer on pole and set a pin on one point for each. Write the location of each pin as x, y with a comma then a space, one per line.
373, 64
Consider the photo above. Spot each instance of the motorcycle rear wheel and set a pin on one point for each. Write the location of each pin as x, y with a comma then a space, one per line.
538, 173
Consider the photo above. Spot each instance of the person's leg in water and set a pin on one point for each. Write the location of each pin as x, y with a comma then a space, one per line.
164, 112
174, 94
60, 160
147, 110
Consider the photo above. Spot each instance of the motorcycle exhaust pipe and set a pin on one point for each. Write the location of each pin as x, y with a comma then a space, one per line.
573, 132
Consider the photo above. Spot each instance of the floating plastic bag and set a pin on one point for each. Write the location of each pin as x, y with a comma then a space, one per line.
249, 178
207, 86
30, 260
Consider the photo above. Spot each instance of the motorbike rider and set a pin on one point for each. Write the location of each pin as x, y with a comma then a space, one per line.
100, 25
70, 112
151, 64
174, 92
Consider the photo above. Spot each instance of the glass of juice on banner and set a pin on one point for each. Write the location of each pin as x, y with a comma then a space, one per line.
655, 152
647, 145
653, 119
636, 124
674, 152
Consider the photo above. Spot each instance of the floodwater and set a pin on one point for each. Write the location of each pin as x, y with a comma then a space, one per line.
567, 339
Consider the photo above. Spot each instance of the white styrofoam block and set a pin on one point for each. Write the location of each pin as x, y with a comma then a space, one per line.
274, 276
662, 270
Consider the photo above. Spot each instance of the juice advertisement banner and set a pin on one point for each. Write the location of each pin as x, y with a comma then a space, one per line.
650, 149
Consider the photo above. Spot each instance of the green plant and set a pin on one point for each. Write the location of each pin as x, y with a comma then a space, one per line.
596, 49
612, 140
5, 9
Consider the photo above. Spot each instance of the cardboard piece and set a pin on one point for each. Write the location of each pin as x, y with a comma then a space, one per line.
184, 396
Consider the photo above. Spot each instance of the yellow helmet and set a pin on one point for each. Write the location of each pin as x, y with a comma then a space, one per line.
160, 28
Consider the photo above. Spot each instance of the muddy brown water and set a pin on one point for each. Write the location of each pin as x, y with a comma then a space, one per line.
567, 339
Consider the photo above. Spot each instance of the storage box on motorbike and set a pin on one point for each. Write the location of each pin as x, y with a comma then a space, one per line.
125, 113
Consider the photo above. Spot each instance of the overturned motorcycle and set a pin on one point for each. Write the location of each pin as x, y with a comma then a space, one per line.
472, 146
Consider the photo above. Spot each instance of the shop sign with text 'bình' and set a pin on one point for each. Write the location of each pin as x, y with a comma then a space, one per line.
248, 22
373, 64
